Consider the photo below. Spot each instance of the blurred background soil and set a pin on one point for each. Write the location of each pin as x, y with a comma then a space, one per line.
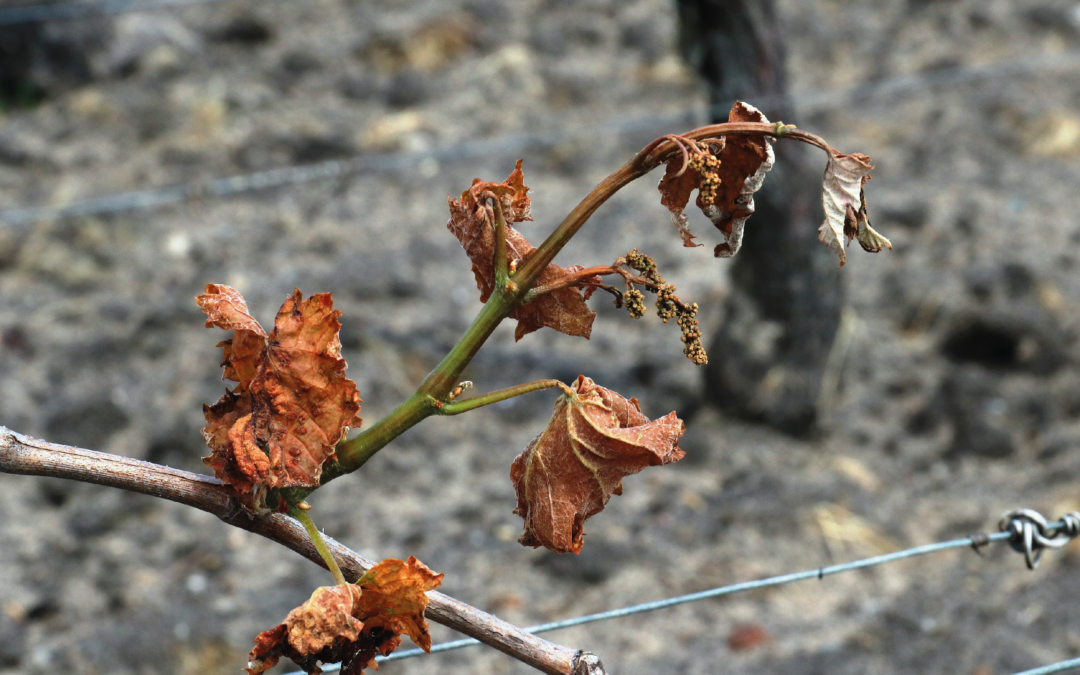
955, 393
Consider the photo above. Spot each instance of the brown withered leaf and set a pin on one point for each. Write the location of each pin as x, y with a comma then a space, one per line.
675, 193
233, 463
726, 192
564, 310
324, 629
303, 402
226, 309
395, 597
569, 472
292, 403
843, 197
744, 161
473, 225
352, 623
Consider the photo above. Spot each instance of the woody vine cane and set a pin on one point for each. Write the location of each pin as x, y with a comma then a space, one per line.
279, 434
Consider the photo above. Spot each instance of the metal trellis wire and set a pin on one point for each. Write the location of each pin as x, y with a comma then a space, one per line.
511, 143
58, 11
1026, 530
1072, 664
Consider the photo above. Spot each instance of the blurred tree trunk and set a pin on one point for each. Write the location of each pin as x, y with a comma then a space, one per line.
781, 317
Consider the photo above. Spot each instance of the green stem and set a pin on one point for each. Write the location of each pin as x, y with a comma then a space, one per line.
636, 168
502, 272
458, 407
352, 454
320, 545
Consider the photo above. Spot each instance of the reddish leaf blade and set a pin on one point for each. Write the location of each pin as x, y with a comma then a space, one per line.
395, 597
568, 473
744, 161
675, 192
304, 404
293, 403
726, 171
352, 623
473, 225
226, 309
235, 462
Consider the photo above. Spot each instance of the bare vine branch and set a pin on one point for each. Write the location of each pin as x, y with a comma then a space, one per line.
20, 454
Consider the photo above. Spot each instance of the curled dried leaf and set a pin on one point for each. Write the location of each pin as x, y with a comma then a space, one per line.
679, 181
292, 403
304, 404
472, 222
564, 310
233, 461
311, 632
226, 309
744, 161
352, 623
395, 597
568, 473
843, 197
726, 172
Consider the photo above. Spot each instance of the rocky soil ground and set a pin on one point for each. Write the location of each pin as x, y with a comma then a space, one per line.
957, 393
